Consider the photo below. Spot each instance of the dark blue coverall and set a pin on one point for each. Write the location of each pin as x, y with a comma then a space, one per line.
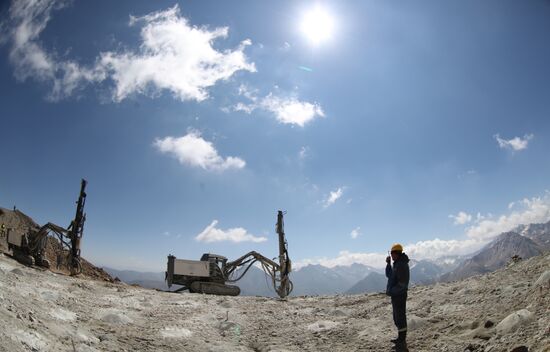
398, 285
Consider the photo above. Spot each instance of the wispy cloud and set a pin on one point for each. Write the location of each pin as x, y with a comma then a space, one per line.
193, 150
169, 234
355, 232
515, 144
213, 234
287, 110
173, 56
27, 20
461, 218
333, 197
303, 153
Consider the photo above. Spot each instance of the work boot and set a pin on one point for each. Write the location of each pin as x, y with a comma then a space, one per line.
401, 342
401, 346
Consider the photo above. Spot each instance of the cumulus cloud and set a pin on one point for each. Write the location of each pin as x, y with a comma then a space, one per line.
515, 144
213, 234
461, 218
346, 258
534, 210
355, 233
193, 150
291, 110
333, 197
287, 110
173, 56
436, 248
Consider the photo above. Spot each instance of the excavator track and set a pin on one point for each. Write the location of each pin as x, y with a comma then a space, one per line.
214, 288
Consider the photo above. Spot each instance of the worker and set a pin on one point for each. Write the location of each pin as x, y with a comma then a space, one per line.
3, 230
398, 285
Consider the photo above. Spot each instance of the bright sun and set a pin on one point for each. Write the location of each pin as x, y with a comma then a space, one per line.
317, 25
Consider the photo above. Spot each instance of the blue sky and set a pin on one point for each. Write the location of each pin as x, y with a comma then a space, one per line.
370, 123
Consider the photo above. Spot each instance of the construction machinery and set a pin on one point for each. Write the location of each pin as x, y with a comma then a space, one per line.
26, 241
212, 272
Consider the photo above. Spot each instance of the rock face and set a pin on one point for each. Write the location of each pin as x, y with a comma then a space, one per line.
539, 233
44, 311
425, 272
496, 255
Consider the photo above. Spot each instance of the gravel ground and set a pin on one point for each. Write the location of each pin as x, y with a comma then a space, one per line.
44, 311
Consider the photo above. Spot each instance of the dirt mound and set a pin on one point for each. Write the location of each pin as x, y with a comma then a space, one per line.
54, 254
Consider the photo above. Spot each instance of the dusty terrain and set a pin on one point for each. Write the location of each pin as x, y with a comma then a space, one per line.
44, 311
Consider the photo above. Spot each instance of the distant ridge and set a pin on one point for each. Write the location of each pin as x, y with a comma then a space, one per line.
531, 240
525, 241
373, 282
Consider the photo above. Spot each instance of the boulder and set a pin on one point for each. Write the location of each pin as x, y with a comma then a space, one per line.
514, 320
544, 279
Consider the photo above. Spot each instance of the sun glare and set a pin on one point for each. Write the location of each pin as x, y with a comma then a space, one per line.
317, 25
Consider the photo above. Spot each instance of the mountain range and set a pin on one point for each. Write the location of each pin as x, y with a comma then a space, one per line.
524, 241
499, 252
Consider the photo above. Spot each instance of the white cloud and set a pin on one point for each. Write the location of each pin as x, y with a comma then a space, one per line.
288, 110
346, 258
286, 46
193, 150
461, 218
291, 110
333, 197
303, 153
169, 234
534, 210
355, 233
173, 56
514, 144
213, 234
27, 20
436, 248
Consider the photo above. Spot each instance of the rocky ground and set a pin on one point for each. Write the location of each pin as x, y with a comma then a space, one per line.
44, 311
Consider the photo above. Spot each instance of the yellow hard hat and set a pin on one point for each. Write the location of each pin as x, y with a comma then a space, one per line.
397, 248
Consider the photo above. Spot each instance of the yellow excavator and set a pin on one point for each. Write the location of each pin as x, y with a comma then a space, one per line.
212, 272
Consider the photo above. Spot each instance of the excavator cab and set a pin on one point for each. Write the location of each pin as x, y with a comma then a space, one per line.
216, 266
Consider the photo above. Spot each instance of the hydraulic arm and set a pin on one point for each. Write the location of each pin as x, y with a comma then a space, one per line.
210, 274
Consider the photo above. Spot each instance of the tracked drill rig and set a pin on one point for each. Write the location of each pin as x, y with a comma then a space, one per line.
26, 240
212, 272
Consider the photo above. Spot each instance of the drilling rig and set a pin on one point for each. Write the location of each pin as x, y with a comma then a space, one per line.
26, 241
212, 272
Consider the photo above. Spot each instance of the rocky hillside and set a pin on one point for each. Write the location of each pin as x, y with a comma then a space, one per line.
20, 222
44, 311
495, 255
539, 233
